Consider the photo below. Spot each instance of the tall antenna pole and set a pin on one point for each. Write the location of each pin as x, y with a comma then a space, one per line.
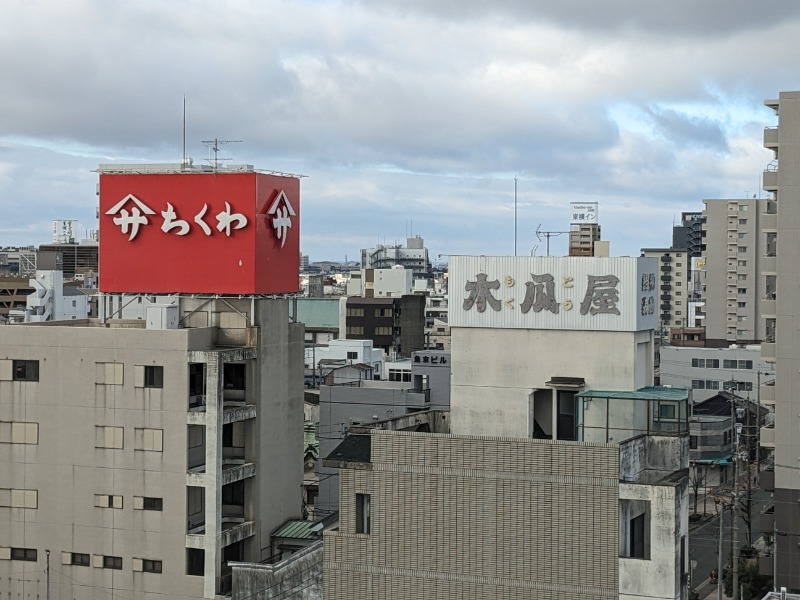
183, 164
515, 215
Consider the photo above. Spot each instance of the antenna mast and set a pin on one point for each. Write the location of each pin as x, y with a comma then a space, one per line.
213, 146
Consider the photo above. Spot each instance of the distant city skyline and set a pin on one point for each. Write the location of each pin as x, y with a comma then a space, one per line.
420, 112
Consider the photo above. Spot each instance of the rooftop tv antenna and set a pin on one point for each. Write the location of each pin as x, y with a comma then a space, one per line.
213, 146
547, 235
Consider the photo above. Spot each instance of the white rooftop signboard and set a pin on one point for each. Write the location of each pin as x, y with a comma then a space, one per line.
570, 293
582, 212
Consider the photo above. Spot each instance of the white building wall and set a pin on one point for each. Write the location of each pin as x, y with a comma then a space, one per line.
492, 359
677, 370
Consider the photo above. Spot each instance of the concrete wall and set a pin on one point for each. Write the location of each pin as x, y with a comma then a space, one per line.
299, 577
495, 359
280, 399
547, 528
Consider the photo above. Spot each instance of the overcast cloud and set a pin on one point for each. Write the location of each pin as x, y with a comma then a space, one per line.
400, 112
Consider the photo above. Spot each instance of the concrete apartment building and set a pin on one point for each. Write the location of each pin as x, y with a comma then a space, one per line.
735, 284
779, 264
708, 371
146, 456
343, 404
559, 472
413, 256
673, 286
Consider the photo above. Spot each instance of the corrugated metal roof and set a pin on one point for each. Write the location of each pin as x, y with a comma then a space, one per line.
646, 393
318, 312
298, 530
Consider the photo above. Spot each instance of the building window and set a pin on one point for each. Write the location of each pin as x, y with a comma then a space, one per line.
150, 439
678, 293
352, 356
19, 432
106, 501
355, 331
742, 236
742, 290
741, 277
743, 208
705, 384
19, 498
693, 442
26, 370
742, 263
745, 364
383, 331
742, 221
678, 264
148, 503
110, 373
635, 516
706, 363
666, 411
362, 513
108, 437
399, 375
146, 565
78, 559
27, 554
742, 304
383, 312
153, 377
742, 249
112, 562
195, 561
355, 312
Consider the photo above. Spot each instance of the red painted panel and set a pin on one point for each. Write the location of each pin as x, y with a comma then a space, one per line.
216, 233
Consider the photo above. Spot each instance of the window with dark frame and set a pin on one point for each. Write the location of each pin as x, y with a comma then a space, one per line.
80, 560
112, 562
151, 566
26, 370
152, 503
27, 554
153, 377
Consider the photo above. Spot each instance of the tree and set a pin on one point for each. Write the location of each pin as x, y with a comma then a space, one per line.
697, 477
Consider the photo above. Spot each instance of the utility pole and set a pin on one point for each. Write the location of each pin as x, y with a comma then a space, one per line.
515, 215
735, 504
719, 553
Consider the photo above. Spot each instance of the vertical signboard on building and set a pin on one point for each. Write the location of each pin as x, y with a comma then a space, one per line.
199, 232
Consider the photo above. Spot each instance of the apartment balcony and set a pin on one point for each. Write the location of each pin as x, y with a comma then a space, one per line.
234, 473
666, 258
768, 351
767, 479
666, 278
666, 297
768, 308
770, 181
768, 437
771, 138
767, 393
769, 222
766, 519
769, 264
233, 414
765, 565
236, 532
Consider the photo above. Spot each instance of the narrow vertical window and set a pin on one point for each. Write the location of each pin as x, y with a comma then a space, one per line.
362, 513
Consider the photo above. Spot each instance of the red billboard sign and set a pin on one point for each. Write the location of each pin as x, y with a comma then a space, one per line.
199, 232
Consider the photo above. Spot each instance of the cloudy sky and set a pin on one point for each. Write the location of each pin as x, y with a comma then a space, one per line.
405, 115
